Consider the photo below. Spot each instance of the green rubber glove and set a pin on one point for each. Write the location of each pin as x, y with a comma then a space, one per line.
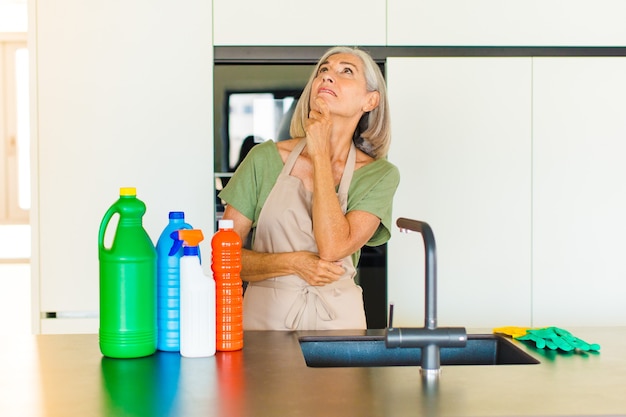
556, 338
537, 336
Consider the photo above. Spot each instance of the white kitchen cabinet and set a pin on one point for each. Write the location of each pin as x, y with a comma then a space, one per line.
287, 22
506, 23
122, 96
526, 196
462, 142
579, 191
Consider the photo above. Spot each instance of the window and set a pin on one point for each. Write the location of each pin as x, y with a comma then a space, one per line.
14, 134
14, 148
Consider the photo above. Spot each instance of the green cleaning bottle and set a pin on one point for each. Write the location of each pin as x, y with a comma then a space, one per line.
128, 322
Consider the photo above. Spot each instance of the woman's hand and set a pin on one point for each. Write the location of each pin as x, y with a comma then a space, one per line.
258, 266
318, 128
316, 271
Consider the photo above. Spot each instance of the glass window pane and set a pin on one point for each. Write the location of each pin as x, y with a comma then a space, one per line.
23, 128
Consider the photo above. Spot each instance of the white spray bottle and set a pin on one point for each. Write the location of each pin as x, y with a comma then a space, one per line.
197, 299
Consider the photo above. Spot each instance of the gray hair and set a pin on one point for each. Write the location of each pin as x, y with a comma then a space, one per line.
373, 132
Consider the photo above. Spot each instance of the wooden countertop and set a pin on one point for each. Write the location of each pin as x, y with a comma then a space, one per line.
65, 376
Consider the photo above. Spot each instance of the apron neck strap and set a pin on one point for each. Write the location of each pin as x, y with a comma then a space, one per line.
346, 177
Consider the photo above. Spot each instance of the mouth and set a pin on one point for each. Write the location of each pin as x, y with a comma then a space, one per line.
326, 91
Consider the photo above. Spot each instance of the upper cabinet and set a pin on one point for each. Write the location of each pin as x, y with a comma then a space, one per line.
506, 23
512, 23
284, 22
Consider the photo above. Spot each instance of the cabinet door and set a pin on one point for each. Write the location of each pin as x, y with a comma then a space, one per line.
462, 142
506, 23
121, 101
579, 191
286, 22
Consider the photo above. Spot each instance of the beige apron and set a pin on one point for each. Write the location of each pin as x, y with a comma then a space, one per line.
285, 225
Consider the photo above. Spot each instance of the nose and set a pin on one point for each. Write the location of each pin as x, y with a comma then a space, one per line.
327, 77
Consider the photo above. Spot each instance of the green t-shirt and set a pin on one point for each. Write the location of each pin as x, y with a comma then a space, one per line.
372, 188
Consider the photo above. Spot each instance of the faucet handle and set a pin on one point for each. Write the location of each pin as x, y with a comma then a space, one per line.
390, 323
421, 337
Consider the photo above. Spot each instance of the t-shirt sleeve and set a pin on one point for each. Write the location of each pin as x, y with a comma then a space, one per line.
250, 184
373, 193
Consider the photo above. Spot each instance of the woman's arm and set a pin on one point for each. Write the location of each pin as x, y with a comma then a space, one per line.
257, 266
337, 234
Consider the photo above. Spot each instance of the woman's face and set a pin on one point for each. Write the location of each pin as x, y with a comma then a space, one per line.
340, 82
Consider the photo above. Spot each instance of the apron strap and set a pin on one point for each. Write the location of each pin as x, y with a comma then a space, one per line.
293, 157
348, 171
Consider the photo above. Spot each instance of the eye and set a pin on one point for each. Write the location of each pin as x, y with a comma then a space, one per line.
348, 70
322, 69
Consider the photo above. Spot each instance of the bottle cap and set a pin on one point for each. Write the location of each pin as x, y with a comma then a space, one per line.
177, 215
226, 224
128, 191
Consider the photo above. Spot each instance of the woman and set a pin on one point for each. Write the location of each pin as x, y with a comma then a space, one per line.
313, 201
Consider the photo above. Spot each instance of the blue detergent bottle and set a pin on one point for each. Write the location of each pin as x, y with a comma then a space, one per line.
169, 253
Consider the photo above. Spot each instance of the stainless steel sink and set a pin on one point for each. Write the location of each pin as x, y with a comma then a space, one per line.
368, 351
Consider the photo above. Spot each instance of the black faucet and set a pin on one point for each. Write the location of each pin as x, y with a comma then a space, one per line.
429, 338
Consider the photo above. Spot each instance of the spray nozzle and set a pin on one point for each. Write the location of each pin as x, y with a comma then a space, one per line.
185, 237
191, 237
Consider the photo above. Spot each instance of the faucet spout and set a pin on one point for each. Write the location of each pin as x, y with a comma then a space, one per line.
430, 267
429, 338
